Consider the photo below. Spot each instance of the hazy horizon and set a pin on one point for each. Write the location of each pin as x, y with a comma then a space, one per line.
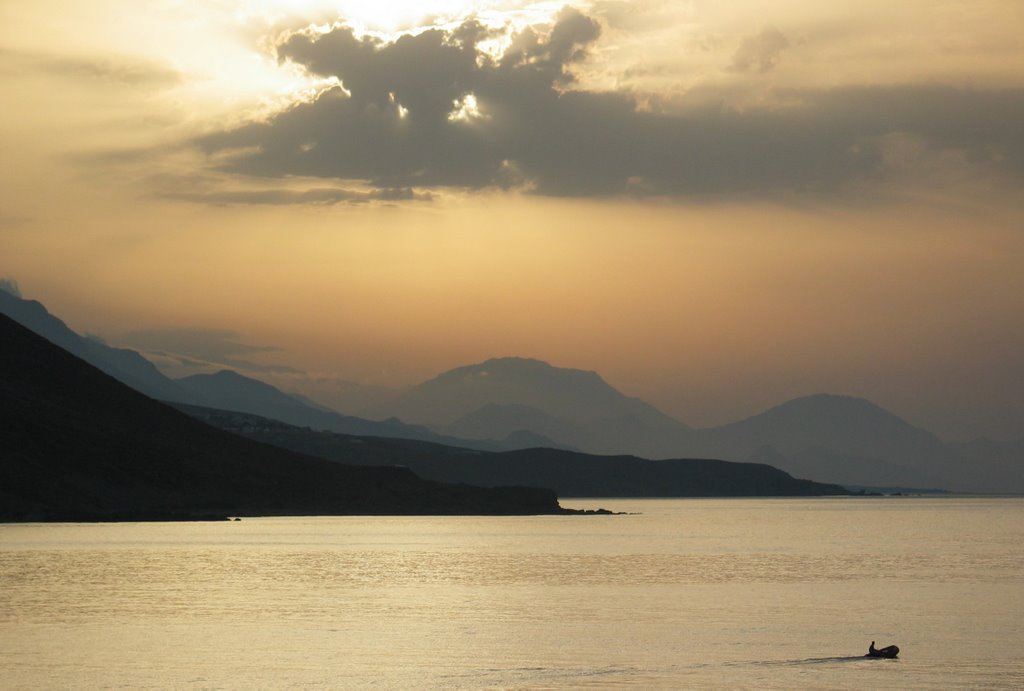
717, 208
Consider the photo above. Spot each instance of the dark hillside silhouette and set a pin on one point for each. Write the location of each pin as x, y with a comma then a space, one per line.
566, 472
228, 390
225, 389
123, 364
75, 444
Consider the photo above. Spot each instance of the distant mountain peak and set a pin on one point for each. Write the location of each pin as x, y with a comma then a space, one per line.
226, 374
835, 407
523, 369
831, 398
511, 366
569, 394
225, 377
846, 425
229, 389
512, 363
517, 361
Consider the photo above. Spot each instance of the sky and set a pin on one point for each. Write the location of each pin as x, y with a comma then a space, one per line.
716, 206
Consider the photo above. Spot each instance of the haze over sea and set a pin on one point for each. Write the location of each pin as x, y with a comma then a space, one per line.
722, 593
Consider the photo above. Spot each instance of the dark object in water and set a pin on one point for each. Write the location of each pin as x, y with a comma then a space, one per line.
889, 651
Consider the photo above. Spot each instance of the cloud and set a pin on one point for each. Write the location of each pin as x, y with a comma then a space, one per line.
400, 118
200, 349
9, 285
210, 343
636, 16
12, 222
760, 52
115, 70
320, 196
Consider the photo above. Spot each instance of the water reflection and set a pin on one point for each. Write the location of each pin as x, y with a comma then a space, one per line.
737, 593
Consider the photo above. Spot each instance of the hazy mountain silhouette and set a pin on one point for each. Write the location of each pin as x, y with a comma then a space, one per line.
573, 408
824, 437
510, 403
842, 438
853, 441
569, 394
1006, 452
847, 470
225, 389
994, 464
495, 421
79, 445
123, 364
841, 423
566, 472
232, 391
305, 400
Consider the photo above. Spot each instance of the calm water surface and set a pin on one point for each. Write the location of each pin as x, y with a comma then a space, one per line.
702, 593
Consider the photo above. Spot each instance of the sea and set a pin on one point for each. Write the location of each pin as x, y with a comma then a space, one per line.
683, 593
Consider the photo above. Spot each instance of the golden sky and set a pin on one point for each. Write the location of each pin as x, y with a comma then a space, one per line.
717, 206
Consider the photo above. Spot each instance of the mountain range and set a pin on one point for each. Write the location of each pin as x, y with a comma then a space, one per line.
516, 403
225, 389
567, 394
76, 444
823, 437
568, 473
232, 391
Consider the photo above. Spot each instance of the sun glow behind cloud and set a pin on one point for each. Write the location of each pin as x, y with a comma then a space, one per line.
230, 67
103, 187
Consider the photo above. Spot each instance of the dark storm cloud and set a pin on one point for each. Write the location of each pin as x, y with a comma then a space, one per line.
393, 125
760, 52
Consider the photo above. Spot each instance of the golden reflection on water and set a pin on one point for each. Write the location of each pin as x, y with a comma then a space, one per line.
685, 593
